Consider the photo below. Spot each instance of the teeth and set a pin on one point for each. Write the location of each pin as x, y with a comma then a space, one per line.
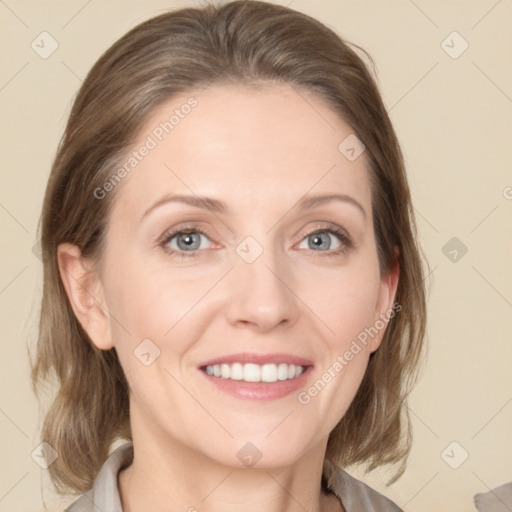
225, 371
251, 372
269, 373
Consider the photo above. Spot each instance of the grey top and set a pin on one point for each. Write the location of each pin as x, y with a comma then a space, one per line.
355, 495
498, 499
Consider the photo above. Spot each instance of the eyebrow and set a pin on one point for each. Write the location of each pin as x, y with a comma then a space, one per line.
311, 202
217, 206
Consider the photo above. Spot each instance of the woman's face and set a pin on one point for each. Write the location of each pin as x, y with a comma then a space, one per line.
266, 274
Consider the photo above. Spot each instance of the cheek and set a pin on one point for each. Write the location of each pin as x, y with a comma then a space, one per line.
150, 310
346, 302
349, 310
152, 305
347, 306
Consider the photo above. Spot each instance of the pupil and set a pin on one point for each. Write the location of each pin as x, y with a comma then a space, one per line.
188, 240
317, 240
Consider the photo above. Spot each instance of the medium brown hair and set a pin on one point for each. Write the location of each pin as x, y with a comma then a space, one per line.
241, 42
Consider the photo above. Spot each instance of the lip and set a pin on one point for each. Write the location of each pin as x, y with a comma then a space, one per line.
263, 391
249, 357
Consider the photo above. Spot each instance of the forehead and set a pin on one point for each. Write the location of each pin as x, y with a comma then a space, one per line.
251, 147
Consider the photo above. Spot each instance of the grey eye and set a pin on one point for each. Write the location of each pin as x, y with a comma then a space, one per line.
186, 241
322, 241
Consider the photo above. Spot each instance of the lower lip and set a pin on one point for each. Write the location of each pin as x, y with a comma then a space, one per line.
259, 390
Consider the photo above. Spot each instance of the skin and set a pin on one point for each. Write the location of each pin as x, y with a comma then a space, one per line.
259, 151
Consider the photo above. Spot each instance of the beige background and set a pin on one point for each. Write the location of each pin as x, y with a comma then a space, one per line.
453, 117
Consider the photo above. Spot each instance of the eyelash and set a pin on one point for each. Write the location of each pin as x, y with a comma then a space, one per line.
344, 238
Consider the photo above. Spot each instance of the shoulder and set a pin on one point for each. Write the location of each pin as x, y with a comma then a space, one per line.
354, 494
104, 495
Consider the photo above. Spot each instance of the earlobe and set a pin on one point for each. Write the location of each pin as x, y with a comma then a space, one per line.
385, 305
85, 293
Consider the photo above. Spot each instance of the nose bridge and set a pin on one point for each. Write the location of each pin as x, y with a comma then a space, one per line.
260, 292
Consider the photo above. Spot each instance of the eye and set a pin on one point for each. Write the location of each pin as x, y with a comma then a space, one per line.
327, 239
183, 241
189, 241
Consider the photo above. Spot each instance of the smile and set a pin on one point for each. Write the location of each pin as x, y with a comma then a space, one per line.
250, 372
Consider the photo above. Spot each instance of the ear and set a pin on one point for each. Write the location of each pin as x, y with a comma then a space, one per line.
85, 293
385, 308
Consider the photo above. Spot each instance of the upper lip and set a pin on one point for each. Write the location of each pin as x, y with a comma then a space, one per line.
260, 359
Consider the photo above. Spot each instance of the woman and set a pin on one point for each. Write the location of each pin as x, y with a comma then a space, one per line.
232, 283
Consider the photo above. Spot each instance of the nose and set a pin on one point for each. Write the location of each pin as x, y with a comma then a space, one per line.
261, 296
